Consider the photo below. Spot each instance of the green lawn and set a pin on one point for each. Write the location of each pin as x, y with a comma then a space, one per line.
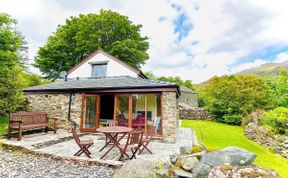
3, 125
217, 136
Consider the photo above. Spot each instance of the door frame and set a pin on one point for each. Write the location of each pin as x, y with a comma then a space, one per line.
97, 111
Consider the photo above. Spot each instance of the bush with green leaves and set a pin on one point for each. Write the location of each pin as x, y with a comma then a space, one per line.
11, 72
276, 120
230, 98
279, 87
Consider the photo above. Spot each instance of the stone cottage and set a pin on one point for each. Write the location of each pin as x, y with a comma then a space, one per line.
101, 89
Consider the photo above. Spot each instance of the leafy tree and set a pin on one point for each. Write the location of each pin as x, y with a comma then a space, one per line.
11, 74
230, 98
82, 35
33, 80
279, 87
177, 80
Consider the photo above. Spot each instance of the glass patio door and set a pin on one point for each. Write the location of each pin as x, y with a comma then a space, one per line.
90, 113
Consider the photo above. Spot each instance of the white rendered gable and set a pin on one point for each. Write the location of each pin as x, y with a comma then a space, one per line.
114, 67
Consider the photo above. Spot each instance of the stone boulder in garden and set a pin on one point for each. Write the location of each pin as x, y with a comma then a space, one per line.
136, 168
228, 155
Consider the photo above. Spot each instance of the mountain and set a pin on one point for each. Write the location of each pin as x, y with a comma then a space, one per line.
266, 70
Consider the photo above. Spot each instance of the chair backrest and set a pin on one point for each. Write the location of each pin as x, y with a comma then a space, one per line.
151, 130
134, 137
112, 123
75, 136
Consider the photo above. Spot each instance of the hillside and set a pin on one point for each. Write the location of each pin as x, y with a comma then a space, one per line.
266, 70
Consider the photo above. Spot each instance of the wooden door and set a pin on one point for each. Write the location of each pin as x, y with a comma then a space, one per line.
90, 113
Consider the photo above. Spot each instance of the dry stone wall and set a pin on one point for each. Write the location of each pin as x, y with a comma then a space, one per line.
194, 113
261, 135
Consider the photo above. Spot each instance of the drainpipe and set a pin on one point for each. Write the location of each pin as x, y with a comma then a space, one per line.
69, 110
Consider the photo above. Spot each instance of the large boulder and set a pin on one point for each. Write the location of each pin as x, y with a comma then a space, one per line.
241, 171
136, 168
228, 155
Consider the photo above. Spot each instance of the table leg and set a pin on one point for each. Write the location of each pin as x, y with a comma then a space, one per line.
107, 143
115, 143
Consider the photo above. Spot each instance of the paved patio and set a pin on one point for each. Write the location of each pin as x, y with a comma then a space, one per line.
63, 145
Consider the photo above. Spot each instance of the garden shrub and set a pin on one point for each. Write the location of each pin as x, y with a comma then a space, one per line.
246, 120
232, 119
231, 98
276, 120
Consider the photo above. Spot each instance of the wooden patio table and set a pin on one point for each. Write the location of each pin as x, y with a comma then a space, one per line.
112, 134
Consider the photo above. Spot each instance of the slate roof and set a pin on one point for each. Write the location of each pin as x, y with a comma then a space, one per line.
186, 89
121, 82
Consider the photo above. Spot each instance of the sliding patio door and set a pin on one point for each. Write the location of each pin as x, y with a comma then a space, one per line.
90, 113
139, 111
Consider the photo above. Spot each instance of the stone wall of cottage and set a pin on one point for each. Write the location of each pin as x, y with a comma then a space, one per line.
262, 136
56, 105
170, 116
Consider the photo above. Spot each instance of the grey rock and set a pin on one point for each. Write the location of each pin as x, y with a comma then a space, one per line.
185, 149
173, 158
136, 168
184, 174
188, 163
239, 171
228, 155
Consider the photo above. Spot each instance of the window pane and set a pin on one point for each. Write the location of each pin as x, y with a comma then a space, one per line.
122, 110
138, 111
90, 112
154, 113
99, 70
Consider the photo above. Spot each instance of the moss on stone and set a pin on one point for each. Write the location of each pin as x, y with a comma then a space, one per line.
196, 149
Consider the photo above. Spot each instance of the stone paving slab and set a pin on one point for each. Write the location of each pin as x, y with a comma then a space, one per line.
66, 148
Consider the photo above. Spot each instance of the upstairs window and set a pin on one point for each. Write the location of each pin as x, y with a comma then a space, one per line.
99, 70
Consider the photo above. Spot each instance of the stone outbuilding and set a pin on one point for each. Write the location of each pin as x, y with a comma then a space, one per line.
188, 97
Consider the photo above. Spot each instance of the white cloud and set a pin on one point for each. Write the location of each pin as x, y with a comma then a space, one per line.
224, 31
281, 57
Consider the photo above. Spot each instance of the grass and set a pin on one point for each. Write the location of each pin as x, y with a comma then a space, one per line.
3, 125
218, 136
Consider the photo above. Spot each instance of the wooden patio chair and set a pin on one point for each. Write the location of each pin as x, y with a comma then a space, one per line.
146, 139
133, 143
84, 145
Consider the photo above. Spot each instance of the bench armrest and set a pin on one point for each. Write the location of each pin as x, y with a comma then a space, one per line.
19, 123
54, 123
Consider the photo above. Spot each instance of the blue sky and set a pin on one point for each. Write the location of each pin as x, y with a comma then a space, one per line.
193, 39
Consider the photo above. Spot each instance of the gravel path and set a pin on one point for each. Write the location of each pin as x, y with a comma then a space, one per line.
17, 164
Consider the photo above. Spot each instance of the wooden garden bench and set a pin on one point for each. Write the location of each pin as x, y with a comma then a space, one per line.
28, 120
